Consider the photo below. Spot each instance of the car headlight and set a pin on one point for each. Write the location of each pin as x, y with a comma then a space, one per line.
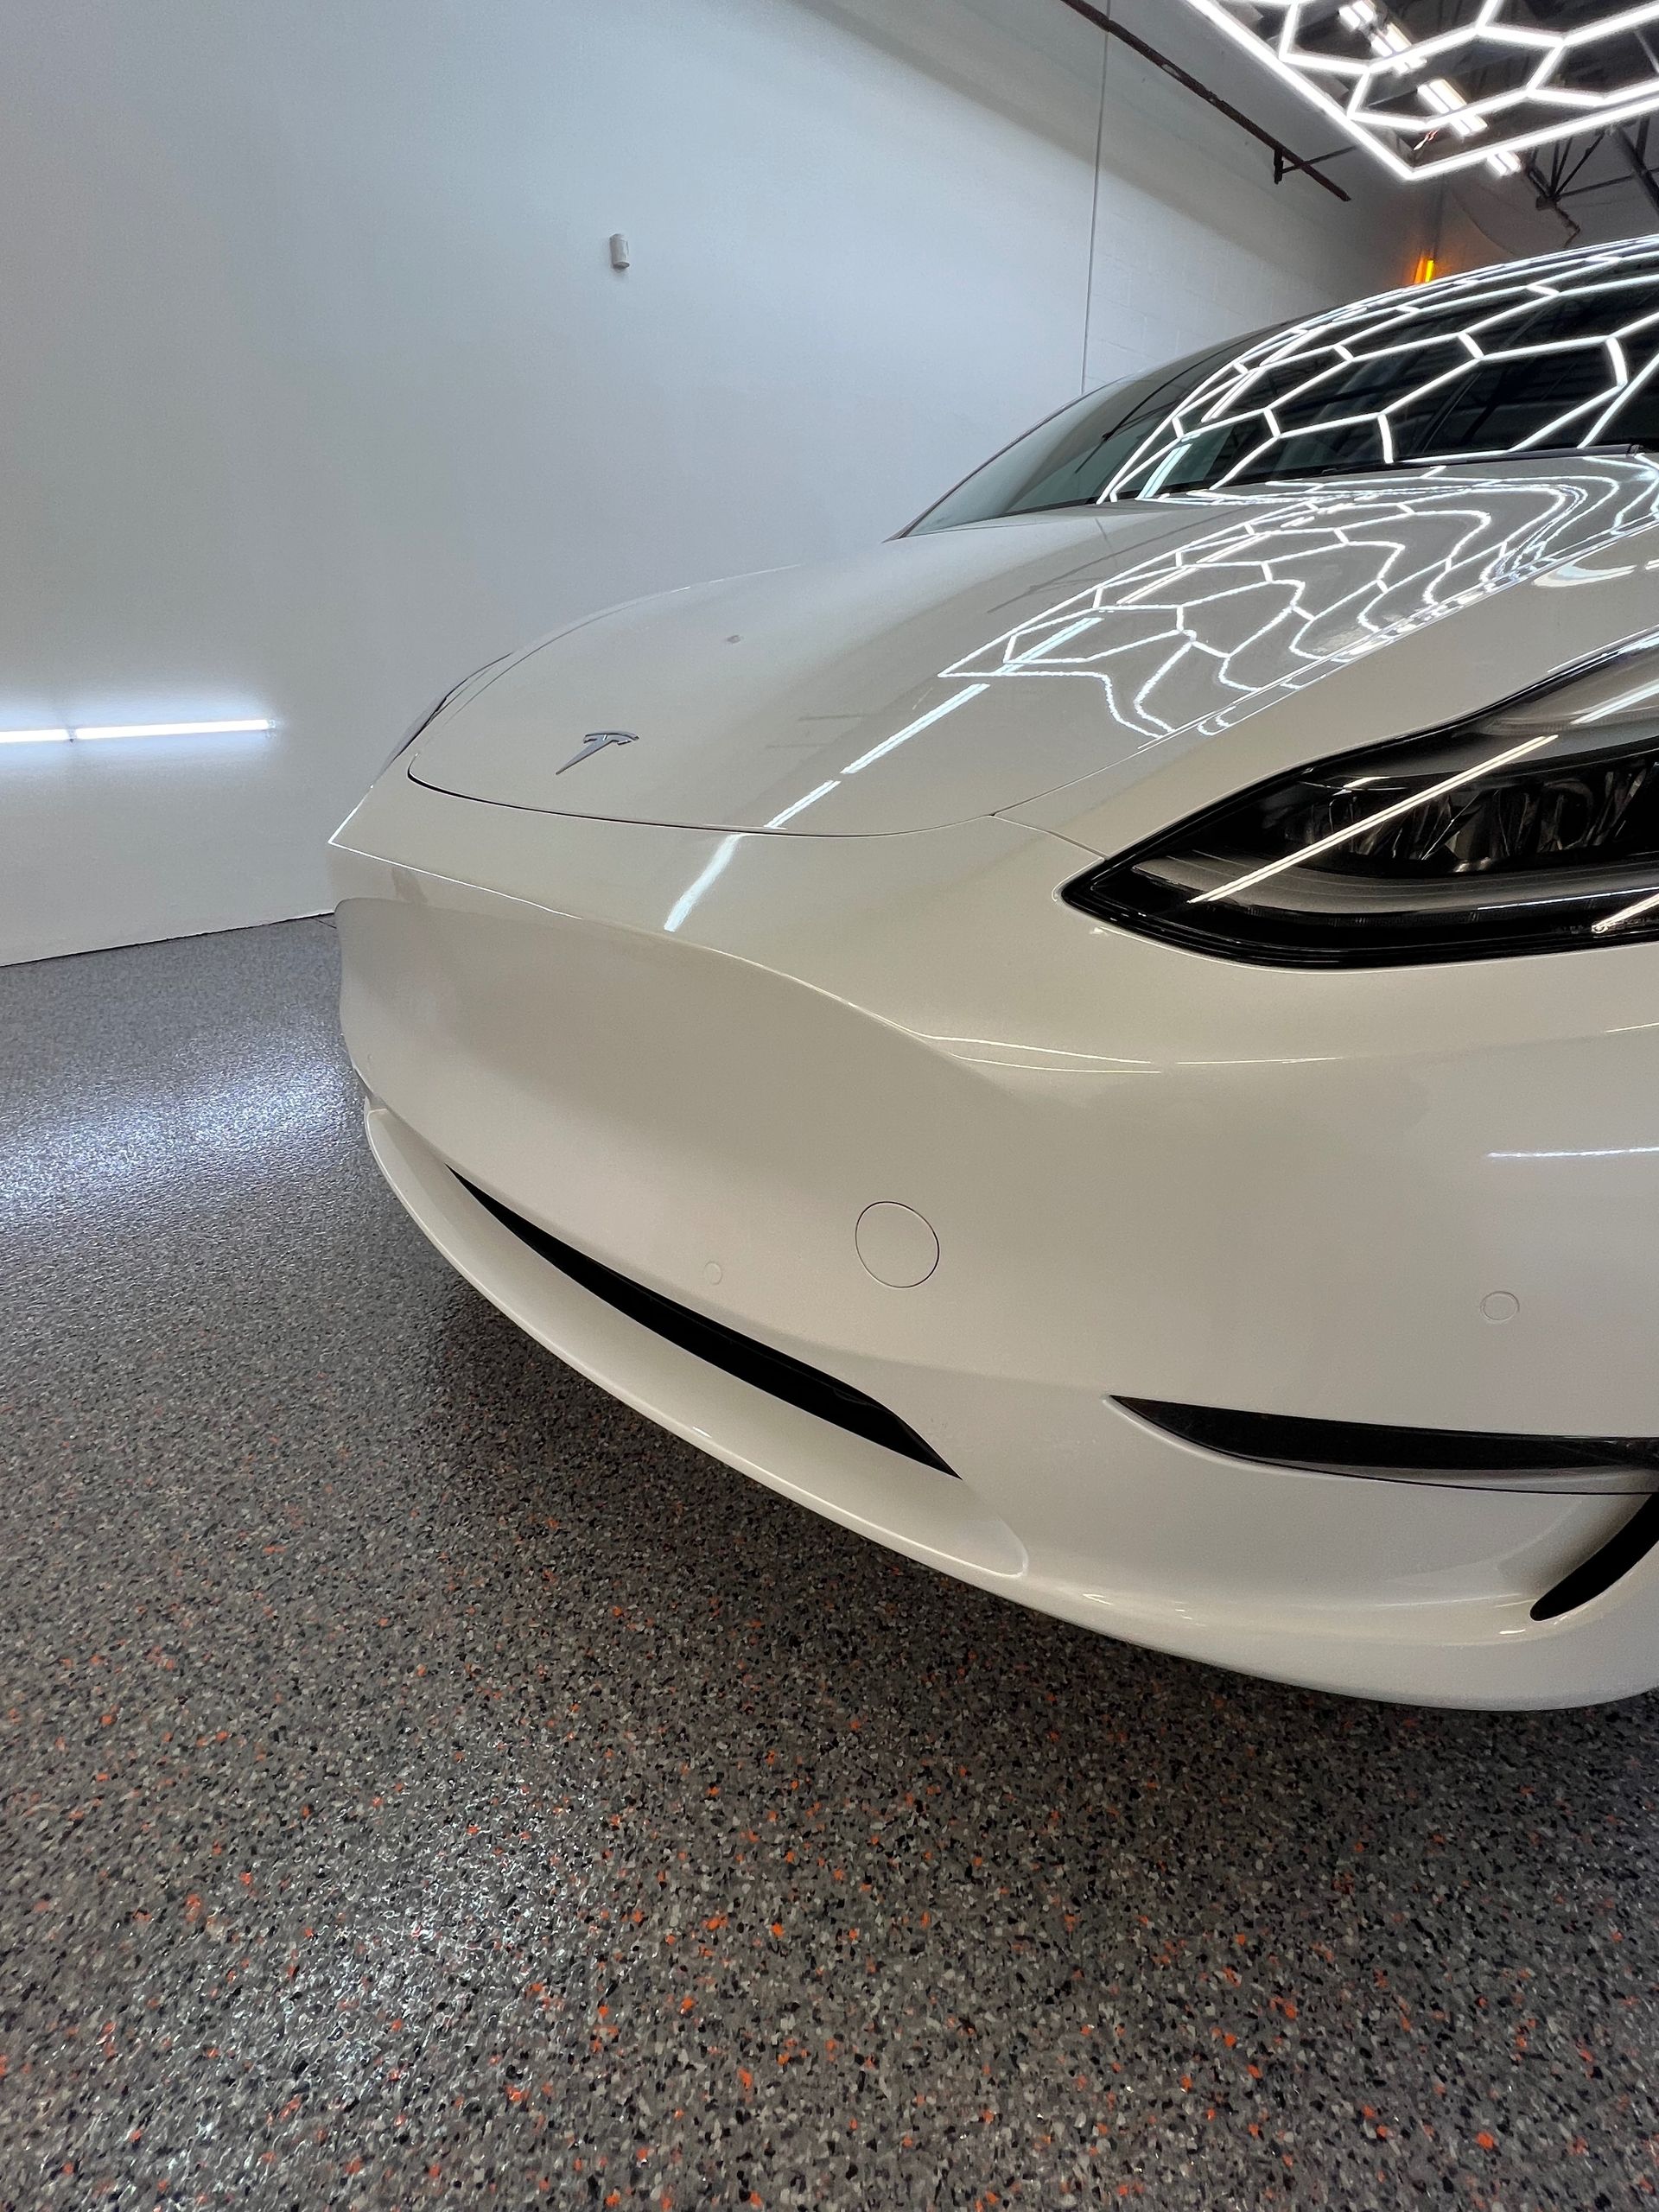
1529, 829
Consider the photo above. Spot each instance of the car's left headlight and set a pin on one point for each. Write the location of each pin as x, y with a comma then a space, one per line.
1531, 829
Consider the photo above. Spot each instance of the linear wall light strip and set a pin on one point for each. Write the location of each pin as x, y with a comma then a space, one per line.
247, 727
175, 729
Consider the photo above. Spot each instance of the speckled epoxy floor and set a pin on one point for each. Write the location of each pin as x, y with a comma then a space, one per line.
424, 1780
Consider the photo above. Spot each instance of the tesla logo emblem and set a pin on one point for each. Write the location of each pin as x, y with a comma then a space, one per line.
595, 741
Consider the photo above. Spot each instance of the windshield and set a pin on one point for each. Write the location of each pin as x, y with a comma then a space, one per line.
1538, 354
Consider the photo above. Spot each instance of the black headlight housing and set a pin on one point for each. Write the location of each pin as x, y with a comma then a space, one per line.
1532, 827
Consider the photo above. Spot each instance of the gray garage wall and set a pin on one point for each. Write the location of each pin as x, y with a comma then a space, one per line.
317, 388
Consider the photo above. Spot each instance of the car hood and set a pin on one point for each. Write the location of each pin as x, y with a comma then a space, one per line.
963, 672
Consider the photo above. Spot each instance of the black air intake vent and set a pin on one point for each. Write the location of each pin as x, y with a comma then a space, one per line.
1463, 1456
775, 1372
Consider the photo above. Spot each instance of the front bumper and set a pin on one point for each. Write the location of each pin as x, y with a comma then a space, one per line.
698, 1058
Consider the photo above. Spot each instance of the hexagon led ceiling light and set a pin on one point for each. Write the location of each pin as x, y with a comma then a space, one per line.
1431, 85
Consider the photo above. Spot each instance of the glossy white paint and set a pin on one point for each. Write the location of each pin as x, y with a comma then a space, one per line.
765, 969
873, 694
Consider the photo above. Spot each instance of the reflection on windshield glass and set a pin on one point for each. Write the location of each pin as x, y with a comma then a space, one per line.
1560, 352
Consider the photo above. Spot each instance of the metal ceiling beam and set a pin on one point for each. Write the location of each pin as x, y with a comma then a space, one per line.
1628, 146
1639, 170
1283, 159
1550, 194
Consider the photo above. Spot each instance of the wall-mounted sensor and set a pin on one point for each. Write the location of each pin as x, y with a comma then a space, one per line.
620, 254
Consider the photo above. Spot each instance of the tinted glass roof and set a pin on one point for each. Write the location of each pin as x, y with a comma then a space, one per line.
1531, 356
1528, 355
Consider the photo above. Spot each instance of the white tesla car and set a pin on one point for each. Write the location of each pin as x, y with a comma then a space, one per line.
1111, 1043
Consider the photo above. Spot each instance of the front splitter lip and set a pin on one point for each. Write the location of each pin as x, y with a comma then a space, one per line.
1480, 1651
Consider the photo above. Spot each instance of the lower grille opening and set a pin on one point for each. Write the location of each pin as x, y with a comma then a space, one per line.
1604, 1566
1595, 1463
775, 1372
